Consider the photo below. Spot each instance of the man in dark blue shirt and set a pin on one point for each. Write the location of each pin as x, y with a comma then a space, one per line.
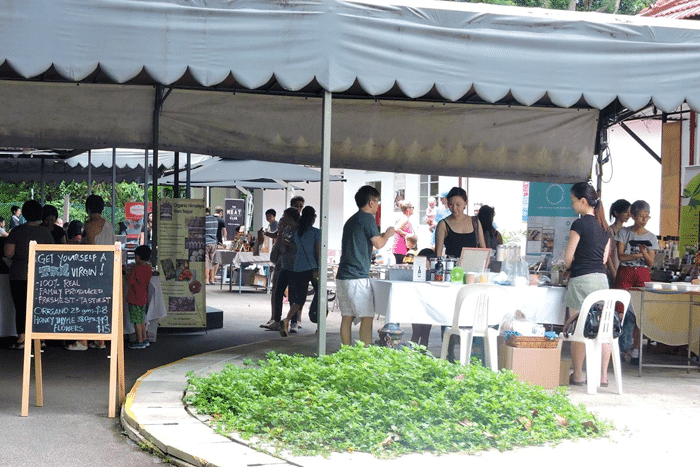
360, 236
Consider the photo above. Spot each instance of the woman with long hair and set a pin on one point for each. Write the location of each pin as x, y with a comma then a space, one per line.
307, 242
585, 258
619, 213
492, 236
458, 230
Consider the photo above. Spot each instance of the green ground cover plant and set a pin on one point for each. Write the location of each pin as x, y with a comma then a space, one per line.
384, 401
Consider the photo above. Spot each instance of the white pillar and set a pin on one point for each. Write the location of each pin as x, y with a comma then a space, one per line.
325, 178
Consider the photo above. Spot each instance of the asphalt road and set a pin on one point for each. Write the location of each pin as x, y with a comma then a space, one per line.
72, 427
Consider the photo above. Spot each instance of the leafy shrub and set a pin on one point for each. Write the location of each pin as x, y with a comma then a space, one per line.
387, 402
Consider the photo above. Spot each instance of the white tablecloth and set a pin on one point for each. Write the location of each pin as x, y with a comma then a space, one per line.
433, 303
666, 317
155, 309
238, 257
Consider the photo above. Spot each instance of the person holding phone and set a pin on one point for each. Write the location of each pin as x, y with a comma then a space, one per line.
636, 249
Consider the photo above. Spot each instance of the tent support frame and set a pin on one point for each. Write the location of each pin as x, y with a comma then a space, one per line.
157, 108
325, 184
641, 142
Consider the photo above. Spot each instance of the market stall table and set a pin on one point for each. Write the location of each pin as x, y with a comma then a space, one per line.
434, 302
669, 317
241, 260
155, 309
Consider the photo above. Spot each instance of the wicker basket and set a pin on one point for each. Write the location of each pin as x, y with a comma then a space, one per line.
532, 342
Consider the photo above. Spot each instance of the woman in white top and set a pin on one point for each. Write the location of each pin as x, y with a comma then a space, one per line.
620, 211
98, 231
636, 248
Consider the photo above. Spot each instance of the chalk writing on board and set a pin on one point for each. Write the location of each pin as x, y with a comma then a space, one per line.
73, 292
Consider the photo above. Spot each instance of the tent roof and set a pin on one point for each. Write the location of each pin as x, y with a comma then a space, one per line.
443, 50
249, 174
131, 159
81, 75
23, 169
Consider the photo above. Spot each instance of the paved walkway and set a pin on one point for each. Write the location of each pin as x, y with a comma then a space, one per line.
657, 419
657, 416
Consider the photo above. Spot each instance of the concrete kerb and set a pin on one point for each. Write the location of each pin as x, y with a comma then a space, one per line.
656, 417
155, 416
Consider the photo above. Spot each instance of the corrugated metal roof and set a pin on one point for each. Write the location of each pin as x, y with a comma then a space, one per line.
677, 9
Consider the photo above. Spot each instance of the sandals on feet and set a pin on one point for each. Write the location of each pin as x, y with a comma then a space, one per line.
17, 346
95, 345
575, 383
76, 346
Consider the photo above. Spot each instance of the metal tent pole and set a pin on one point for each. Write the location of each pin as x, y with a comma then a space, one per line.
157, 107
43, 183
176, 182
325, 178
114, 184
188, 187
144, 228
89, 171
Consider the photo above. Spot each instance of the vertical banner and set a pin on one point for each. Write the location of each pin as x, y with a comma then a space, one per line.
549, 219
181, 246
234, 216
133, 218
690, 210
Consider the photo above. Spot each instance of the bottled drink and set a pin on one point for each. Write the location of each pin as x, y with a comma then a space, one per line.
439, 273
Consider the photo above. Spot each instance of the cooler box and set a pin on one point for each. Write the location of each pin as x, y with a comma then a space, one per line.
534, 365
399, 274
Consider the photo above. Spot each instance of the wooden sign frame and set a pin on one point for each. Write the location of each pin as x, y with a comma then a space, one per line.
115, 336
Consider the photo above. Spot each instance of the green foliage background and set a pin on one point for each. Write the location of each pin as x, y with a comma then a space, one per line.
54, 193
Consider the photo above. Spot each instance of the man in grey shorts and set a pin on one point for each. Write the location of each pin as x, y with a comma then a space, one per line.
360, 236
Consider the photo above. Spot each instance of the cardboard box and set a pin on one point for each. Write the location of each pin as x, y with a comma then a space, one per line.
540, 367
259, 280
247, 278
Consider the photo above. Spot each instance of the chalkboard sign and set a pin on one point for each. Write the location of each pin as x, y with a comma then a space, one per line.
234, 216
73, 292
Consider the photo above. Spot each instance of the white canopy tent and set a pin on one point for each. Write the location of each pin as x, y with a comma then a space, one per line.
445, 53
249, 174
409, 86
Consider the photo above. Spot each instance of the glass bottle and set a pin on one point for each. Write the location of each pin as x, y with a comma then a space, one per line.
439, 273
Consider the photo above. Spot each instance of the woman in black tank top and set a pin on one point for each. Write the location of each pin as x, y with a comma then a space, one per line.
458, 230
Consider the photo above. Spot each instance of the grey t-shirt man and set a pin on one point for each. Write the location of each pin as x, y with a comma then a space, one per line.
210, 227
356, 244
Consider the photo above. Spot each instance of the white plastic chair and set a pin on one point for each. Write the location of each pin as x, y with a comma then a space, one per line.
477, 306
594, 347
